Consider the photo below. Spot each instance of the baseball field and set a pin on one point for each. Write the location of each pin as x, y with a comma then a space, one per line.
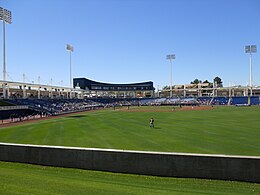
213, 130
218, 130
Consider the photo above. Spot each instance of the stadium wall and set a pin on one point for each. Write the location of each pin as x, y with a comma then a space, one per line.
223, 167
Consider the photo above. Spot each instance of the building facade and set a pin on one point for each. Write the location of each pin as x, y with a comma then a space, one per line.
94, 88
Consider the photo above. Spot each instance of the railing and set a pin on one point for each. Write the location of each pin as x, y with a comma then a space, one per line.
13, 107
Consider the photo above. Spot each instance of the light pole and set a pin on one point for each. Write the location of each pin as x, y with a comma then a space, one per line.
70, 49
171, 57
251, 49
6, 17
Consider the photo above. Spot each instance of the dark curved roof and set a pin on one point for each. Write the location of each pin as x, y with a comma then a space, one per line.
88, 84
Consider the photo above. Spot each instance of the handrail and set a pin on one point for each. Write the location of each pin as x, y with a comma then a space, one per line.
13, 107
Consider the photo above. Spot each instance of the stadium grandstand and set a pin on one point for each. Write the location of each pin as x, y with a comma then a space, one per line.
205, 90
86, 88
14, 90
21, 101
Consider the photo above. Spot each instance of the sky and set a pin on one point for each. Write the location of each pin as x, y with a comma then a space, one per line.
126, 41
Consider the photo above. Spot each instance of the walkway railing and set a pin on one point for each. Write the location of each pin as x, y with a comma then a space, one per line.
13, 107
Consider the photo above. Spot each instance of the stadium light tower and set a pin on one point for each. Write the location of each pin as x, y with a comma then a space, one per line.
251, 49
70, 49
171, 57
6, 17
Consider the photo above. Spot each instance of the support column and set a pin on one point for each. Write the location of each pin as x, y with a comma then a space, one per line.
62, 94
59, 93
39, 93
4, 91
24, 92
50, 94
7, 92
244, 92
233, 92
199, 90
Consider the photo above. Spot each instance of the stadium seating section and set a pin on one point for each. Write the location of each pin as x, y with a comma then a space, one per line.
61, 106
17, 113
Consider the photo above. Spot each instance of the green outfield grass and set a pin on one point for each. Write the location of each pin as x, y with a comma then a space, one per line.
223, 130
26, 179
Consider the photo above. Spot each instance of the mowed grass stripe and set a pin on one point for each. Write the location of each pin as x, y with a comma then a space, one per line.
223, 130
18, 178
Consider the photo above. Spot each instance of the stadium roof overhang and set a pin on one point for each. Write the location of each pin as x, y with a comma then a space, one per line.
12, 84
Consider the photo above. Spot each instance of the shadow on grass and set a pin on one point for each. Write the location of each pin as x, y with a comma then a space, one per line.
77, 116
155, 128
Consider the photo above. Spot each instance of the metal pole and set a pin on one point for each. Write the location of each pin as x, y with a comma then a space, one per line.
250, 69
4, 65
70, 70
251, 84
171, 79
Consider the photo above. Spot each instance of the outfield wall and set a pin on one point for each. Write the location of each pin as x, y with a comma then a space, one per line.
240, 168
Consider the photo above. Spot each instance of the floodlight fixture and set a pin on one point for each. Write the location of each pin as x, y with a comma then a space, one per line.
251, 49
6, 17
70, 49
170, 57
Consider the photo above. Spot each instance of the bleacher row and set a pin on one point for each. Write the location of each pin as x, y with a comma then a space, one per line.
66, 105
238, 101
56, 106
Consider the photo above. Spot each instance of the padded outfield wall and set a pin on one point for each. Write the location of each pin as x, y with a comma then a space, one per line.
240, 168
